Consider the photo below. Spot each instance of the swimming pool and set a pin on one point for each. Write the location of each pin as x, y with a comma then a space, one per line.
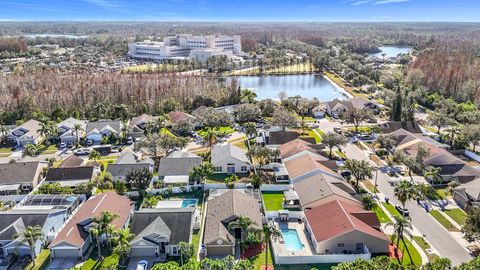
292, 240
189, 203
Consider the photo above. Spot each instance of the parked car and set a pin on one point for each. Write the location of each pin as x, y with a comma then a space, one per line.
129, 140
82, 152
88, 142
402, 210
142, 265
62, 145
346, 174
70, 144
337, 130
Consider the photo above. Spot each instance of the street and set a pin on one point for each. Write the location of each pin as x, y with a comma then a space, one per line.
436, 234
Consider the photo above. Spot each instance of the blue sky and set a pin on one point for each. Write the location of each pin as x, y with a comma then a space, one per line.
241, 10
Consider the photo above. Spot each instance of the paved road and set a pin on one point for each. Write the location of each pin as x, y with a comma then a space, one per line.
435, 233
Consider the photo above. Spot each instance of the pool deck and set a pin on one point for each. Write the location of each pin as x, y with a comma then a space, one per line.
174, 203
281, 250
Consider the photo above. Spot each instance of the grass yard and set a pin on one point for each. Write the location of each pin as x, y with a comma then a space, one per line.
226, 130
391, 209
45, 150
458, 215
41, 261
273, 200
443, 220
442, 193
416, 258
259, 259
312, 134
342, 84
5, 151
217, 178
424, 245
381, 215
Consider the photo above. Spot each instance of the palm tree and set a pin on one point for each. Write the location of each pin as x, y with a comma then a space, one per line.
3, 133
434, 175
76, 129
269, 231
122, 239
401, 227
44, 130
31, 236
210, 135
201, 172
405, 191
245, 223
126, 130
95, 155
162, 121
30, 150
104, 221
250, 130
95, 232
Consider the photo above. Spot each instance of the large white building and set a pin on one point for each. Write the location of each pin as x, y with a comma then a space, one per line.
183, 46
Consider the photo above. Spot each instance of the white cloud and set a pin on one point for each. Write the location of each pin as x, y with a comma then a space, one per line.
382, 2
105, 3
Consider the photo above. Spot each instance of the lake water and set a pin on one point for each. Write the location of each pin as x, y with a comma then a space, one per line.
392, 51
305, 85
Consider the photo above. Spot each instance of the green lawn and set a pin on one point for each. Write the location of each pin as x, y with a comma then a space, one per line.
391, 209
226, 130
273, 200
443, 220
45, 150
424, 245
41, 261
5, 152
311, 133
217, 178
259, 259
416, 258
381, 215
458, 215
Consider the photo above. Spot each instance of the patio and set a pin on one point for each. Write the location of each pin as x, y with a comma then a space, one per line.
280, 247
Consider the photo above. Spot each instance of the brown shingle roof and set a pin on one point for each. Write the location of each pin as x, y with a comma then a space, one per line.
225, 208
71, 161
74, 234
307, 163
391, 126
294, 147
179, 115
339, 217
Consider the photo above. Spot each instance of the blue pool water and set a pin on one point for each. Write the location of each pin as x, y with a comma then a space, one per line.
292, 241
189, 203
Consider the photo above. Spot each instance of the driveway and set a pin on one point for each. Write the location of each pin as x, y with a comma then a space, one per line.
132, 265
61, 264
436, 234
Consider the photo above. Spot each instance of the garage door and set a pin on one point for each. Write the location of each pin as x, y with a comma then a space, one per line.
142, 252
65, 253
219, 251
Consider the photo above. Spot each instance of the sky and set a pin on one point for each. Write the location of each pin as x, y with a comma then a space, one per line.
241, 10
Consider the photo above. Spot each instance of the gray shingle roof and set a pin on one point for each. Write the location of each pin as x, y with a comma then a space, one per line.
19, 173
178, 163
123, 169
12, 222
220, 152
178, 221
70, 173
99, 125
225, 208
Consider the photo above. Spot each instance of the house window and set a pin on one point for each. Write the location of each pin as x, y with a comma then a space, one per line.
243, 168
341, 245
174, 250
217, 169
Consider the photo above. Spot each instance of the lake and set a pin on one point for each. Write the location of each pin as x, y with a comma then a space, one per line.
305, 85
392, 51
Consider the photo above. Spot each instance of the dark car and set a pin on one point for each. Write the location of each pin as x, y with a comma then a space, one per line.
69, 144
403, 211
346, 174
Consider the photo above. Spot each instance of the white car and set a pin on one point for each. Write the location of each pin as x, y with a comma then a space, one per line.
142, 265
82, 152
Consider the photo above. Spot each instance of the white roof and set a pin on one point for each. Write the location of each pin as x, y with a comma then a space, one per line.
173, 179
9, 187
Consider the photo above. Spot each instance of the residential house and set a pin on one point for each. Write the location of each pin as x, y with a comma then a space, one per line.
14, 222
26, 133
139, 124
158, 231
68, 202
96, 131
318, 112
336, 108
71, 176
392, 126
467, 195
20, 177
276, 137
344, 227
309, 164
228, 158
298, 147
175, 168
179, 116
128, 162
72, 161
68, 133
223, 209
405, 139
74, 239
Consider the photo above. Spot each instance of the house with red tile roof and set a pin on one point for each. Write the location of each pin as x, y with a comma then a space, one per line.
344, 227
74, 239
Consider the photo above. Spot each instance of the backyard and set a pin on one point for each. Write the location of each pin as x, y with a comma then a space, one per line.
225, 130
273, 200
41, 261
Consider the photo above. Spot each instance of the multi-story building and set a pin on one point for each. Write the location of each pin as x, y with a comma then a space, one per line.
185, 46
